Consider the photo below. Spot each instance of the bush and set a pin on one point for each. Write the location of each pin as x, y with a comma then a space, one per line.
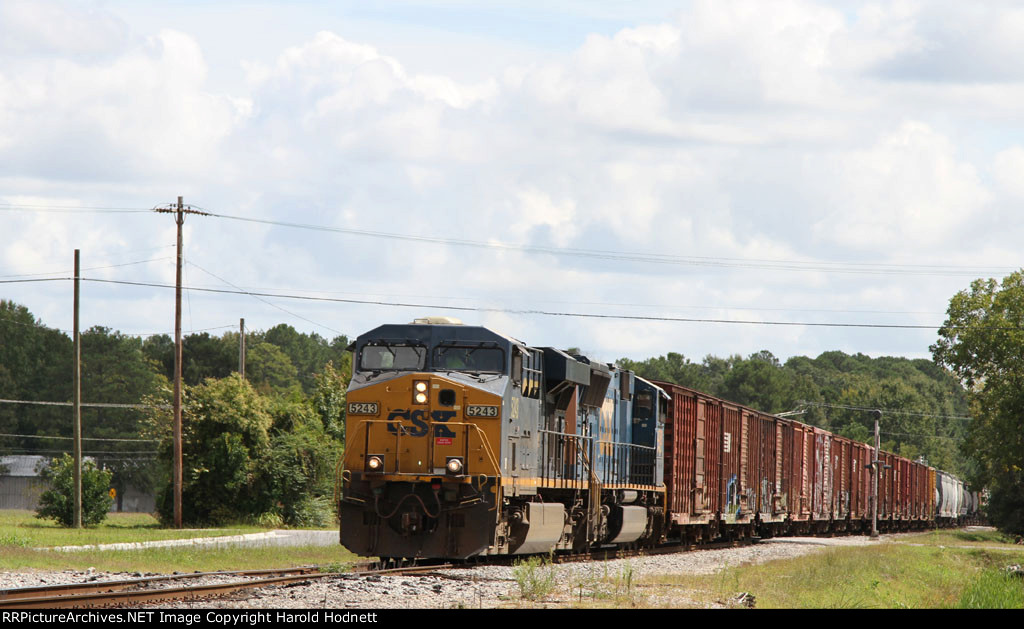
58, 502
302, 465
225, 451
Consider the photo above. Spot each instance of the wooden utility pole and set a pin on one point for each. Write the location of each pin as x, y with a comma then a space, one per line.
180, 220
76, 395
179, 211
874, 479
241, 348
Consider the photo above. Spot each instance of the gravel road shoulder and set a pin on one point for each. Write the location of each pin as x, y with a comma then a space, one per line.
482, 586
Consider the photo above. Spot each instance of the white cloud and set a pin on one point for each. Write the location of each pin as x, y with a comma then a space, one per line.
737, 131
910, 190
142, 113
39, 27
1008, 168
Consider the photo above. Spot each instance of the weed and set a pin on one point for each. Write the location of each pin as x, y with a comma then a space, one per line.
13, 539
536, 578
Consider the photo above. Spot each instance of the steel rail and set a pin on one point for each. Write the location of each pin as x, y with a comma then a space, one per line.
99, 593
37, 591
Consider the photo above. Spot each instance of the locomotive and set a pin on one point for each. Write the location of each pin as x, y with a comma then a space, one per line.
464, 442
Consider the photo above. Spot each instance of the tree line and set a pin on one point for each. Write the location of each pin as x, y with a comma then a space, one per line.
261, 448
265, 447
925, 409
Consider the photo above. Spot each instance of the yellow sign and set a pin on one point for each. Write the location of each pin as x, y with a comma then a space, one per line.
113, 493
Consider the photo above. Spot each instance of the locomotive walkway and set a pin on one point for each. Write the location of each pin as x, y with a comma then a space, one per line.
269, 538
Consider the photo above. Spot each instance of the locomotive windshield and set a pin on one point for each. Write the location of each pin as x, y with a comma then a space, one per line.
392, 356
465, 358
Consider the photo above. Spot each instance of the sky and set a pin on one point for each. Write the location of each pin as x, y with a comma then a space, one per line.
713, 177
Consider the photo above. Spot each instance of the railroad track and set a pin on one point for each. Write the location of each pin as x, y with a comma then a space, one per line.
129, 592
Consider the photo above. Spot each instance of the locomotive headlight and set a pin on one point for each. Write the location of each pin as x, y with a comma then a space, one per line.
420, 395
454, 465
375, 463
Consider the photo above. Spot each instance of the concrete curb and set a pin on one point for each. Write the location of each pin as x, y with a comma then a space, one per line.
269, 538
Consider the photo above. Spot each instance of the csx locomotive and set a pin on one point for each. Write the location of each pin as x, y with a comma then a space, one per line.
461, 441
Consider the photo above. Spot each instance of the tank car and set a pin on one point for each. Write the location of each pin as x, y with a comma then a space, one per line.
461, 441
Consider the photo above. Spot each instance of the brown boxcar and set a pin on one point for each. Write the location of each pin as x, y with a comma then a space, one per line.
797, 457
763, 465
728, 464
692, 442
841, 449
860, 487
733, 479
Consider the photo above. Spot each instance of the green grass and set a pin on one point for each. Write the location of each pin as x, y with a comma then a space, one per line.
993, 589
22, 528
974, 537
883, 576
22, 535
167, 560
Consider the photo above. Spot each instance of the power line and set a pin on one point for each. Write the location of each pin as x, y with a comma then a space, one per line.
653, 258
887, 411
69, 209
41, 279
4, 434
627, 256
245, 292
40, 452
94, 268
86, 333
590, 303
89, 404
552, 313
585, 315
906, 434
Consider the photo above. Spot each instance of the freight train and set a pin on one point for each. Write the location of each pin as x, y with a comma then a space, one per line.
464, 442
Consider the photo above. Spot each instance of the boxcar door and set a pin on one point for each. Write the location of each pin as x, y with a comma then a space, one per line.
780, 467
700, 503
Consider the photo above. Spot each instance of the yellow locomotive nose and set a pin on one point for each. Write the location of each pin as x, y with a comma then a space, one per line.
418, 423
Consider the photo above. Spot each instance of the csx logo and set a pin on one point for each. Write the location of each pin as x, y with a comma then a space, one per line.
419, 426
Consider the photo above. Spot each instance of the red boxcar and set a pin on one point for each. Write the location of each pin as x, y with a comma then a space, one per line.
729, 465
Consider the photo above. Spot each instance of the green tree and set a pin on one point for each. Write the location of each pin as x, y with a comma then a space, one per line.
329, 401
303, 460
116, 370
982, 343
270, 369
225, 451
58, 502
762, 382
672, 367
35, 364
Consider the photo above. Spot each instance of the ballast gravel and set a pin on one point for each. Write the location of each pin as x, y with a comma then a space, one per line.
609, 582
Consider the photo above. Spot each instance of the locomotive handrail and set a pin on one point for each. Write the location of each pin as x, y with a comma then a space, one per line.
483, 440
364, 424
568, 475
565, 434
622, 466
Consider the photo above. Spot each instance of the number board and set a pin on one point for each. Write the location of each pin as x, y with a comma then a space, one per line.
481, 410
363, 408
